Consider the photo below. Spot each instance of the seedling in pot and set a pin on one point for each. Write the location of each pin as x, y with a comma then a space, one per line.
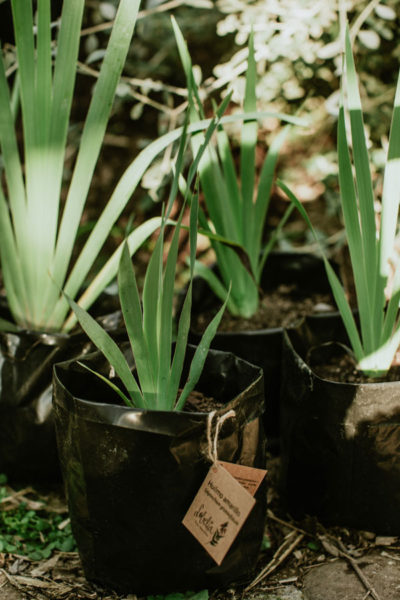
237, 212
372, 253
150, 326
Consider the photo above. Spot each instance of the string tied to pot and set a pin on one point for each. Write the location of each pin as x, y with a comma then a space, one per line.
212, 440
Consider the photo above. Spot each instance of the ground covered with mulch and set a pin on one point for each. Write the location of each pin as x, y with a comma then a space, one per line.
299, 560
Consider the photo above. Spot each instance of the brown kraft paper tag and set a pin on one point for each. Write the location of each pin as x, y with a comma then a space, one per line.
249, 477
218, 512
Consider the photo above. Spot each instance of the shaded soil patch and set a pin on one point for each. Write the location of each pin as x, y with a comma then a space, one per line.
342, 367
278, 308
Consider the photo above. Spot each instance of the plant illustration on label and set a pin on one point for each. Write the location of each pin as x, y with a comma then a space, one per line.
219, 533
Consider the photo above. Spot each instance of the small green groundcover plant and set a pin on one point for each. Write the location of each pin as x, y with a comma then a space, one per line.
35, 533
149, 324
236, 212
374, 260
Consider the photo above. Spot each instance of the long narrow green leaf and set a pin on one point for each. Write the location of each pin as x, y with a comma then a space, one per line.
187, 67
378, 362
151, 292
213, 183
178, 170
109, 348
11, 159
135, 239
391, 187
12, 273
199, 357
165, 331
15, 97
204, 146
133, 317
93, 132
194, 219
248, 146
337, 289
209, 167
184, 319
260, 208
23, 29
43, 74
392, 311
361, 162
230, 177
345, 310
180, 348
55, 109
112, 385
8, 326
390, 209
354, 236
243, 299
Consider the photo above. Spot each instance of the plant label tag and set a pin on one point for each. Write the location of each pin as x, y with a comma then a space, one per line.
249, 477
218, 512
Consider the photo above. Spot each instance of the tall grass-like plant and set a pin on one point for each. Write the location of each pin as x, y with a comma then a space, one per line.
374, 260
237, 211
36, 237
149, 324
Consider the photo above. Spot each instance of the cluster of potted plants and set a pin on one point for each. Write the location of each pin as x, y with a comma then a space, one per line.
142, 422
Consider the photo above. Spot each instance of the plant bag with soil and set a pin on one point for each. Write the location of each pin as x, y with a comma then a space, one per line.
340, 441
131, 475
305, 273
28, 450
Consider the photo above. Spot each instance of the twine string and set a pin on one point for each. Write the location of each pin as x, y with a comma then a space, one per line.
213, 440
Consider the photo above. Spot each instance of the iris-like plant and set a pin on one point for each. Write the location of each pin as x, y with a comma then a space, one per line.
372, 253
150, 326
237, 212
36, 242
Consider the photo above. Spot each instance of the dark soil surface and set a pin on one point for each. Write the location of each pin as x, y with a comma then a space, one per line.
198, 402
342, 367
278, 308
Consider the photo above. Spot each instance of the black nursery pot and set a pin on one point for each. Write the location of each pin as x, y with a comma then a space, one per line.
132, 474
28, 449
263, 347
340, 441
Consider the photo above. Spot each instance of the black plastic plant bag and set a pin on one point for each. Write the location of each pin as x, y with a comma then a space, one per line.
131, 476
340, 442
28, 450
263, 347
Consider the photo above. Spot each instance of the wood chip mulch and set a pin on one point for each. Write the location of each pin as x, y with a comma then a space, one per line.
295, 548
